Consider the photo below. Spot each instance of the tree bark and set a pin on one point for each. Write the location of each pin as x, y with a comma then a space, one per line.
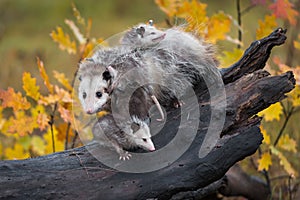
76, 174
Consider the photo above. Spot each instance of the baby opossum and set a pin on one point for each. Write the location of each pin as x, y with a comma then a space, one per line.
142, 36
106, 131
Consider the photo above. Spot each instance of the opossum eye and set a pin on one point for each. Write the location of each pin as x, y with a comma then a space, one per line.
79, 78
152, 33
84, 95
98, 95
144, 139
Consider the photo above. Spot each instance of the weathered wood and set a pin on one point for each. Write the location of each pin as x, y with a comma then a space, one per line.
76, 174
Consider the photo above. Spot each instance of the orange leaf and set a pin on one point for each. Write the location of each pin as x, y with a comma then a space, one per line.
22, 124
13, 100
64, 96
50, 99
30, 87
44, 75
63, 80
64, 113
284, 9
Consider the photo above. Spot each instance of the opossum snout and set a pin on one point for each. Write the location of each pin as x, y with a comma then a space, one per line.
152, 149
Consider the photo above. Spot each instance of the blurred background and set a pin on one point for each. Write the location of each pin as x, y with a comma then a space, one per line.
25, 27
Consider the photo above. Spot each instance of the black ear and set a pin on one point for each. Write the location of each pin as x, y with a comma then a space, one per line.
140, 31
106, 75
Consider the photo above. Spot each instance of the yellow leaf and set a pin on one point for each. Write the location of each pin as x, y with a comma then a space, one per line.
62, 131
63, 40
194, 13
266, 26
218, 26
38, 145
17, 152
264, 162
13, 100
59, 145
283, 161
169, 6
62, 79
297, 44
272, 112
1, 153
229, 58
287, 143
44, 75
77, 14
267, 139
30, 87
294, 96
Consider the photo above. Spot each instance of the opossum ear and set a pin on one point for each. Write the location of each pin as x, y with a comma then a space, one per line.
106, 75
109, 73
150, 22
140, 31
112, 71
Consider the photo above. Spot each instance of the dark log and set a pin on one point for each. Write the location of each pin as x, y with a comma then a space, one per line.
76, 174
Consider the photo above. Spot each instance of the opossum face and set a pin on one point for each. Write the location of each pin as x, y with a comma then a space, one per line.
149, 35
93, 93
142, 138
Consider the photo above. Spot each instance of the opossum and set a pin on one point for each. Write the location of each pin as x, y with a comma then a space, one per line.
142, 36
176, 63
107, 132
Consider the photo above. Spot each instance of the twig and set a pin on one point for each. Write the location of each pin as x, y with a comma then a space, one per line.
51, 122
67, 136
239, 18
266, 174
247, 9
74, 139
289, 114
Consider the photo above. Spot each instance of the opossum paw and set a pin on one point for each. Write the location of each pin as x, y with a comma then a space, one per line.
125, 156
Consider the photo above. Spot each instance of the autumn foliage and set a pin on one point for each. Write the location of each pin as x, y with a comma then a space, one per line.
34, 124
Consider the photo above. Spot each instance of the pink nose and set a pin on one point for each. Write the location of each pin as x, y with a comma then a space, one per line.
152, 149
89, 111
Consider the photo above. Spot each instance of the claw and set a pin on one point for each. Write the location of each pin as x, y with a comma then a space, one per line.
125, 156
